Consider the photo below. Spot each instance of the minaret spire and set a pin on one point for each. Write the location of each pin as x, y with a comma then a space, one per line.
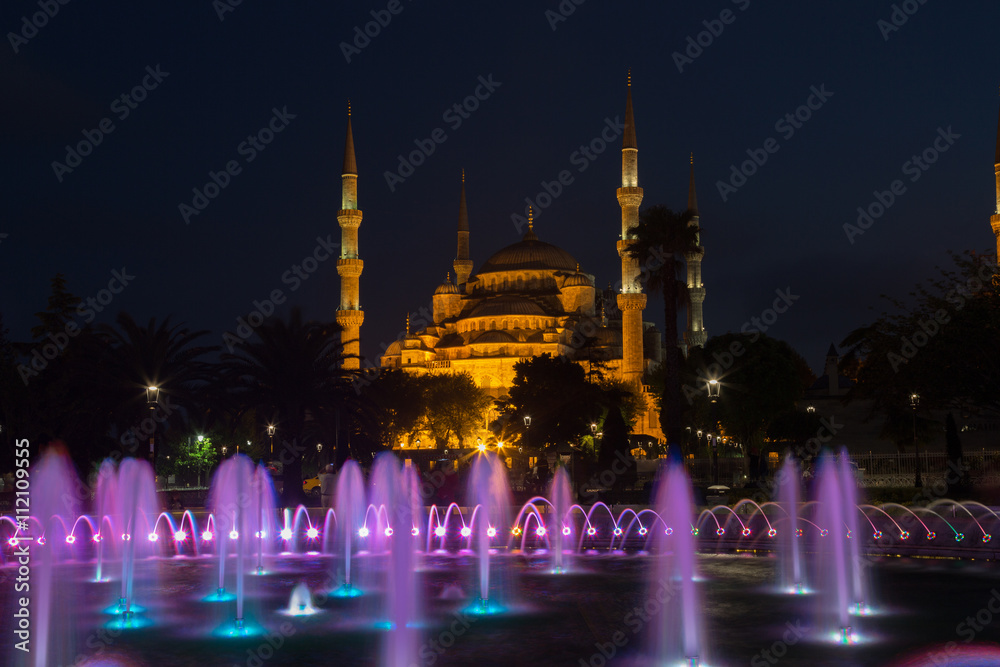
349, 267
695, 336
995, 220
631, 300
462, 263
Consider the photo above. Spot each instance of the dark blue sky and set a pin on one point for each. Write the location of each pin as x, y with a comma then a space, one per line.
782, 229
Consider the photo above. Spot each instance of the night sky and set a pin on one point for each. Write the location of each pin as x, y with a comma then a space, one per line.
556, 84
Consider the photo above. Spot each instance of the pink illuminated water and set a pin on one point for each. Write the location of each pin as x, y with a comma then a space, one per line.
791, 545
350, 506
560, 495
489, 491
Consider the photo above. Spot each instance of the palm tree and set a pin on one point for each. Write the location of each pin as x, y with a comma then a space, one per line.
293, 373
135, 357
660, 241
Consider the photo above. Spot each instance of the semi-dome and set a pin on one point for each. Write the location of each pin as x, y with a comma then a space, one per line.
447, 287
577, 280
495, 337
530, 254
506, 305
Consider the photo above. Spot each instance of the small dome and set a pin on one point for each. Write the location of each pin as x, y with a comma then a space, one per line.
447, 287
395, 349
450, 340
507, 305
577, 280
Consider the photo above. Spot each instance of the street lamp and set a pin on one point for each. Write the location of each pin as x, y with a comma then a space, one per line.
224, 450
914, 402
527, 430
270, 434
152, 396
714, 387
811, 408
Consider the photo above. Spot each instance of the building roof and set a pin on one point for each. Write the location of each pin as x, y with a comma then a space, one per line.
495, 336
530, 254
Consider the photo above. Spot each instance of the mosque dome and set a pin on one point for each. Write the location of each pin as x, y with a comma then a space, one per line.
447, 287
507, 305
577, 280
495, 337
530, 254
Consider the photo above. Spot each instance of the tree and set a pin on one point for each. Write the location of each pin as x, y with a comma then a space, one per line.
615, 452
393, 403
940, 343
454, 407
761, 385
661, 240
953, 447
555, 394
291, 373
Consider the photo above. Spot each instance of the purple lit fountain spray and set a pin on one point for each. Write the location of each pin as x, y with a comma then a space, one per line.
350, 506
489, 492
53, 473
678, 637
238, 518
793, 579
834, 566
560, 495
107, 491
137, 510
849, 497
395, 489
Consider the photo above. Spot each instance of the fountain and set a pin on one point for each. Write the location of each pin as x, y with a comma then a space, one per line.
679, 625
489, 492
350, 506
561, 525
834, 567
791, 553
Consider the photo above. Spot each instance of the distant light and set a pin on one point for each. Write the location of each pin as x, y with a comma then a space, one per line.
491, 532
153, 537
515, 531
617, 531
363, 531
642, 530
540, 531
12, 541
439, 531
312, 533
286, 534
465, 532
668, 531
414, 531
70, 539
592, 531
97, 537
180, 536
126, 537
207, 535
41, 541
233, 534
388, 531
482, 447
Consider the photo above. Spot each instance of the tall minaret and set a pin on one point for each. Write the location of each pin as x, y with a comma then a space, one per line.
695, 336
995, 220
631, 300
462, 263
349, 266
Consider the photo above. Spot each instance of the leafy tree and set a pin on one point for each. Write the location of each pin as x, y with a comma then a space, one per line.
555, 393
940, 344
454, 407
762, 384
661, 240
615, 451
394, 402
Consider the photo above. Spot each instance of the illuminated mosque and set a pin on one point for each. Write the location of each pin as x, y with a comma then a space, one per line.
530, 298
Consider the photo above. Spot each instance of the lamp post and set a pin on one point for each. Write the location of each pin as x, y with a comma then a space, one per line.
270, 434
319, 448
224, 450
527, 431
714, 388
152, 396
914, 402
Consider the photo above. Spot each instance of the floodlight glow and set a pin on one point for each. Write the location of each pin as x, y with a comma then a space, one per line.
70, 539
414, 531
440, 531
233, 534
153, 537
466, 531
363, 531
207, 535
180, 536
540, 531
312, 533
491, 532
566, 530
286, 534
388, 531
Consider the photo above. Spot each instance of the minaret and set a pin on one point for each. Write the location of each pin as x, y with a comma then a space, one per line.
995, 219
349, 266
695, 336
462, 263
631, 300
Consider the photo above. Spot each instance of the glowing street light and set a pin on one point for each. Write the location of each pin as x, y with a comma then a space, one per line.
270, 434
152, 398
